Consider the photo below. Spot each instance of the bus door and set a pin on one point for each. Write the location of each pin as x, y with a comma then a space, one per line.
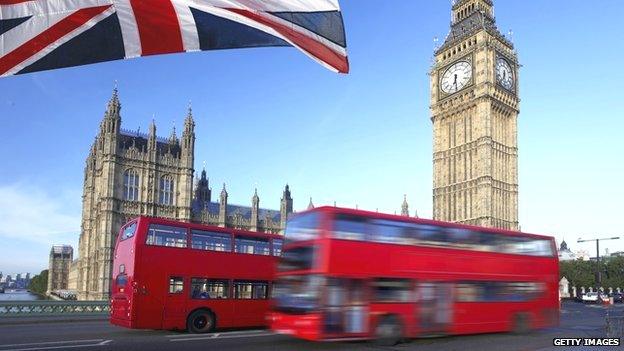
435, 307
346, 308
174, 309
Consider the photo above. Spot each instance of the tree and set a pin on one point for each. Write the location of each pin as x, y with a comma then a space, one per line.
39, 283
583, 273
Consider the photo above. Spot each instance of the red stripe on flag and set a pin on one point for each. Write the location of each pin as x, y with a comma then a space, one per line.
158, 25
49, 36
313, 47
13, 2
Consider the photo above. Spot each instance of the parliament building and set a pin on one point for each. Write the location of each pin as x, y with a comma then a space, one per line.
129, 173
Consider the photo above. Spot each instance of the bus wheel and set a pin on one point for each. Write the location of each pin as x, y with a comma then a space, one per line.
521, 323
388, 331
200, 321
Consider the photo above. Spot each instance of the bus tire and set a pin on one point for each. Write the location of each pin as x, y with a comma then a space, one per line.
521, 324
200, 321
389, 331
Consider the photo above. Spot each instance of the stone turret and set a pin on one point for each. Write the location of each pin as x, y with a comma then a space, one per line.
405, 207
188, 140
286, 206
202, 189
255, 209
223, 207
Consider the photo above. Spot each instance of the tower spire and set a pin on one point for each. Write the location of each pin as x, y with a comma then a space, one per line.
405, 207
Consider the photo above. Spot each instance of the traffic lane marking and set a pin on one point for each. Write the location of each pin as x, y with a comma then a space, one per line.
220, 336
52, 342
240, 332
42, 347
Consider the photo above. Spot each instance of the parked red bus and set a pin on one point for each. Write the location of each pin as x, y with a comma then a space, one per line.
174, 275
348, 274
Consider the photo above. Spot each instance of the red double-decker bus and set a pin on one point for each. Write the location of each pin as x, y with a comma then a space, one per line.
347, 274
174, 275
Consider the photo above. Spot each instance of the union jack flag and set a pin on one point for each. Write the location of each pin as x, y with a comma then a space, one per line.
38, 35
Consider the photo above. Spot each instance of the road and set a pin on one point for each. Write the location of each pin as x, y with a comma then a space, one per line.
577, 320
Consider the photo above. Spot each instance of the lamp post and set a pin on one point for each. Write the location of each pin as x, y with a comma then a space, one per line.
598, 275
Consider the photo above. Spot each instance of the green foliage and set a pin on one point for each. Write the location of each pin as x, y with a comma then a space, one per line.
583, 273
39, 283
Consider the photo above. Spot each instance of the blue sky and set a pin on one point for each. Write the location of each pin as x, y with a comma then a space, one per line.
270, 116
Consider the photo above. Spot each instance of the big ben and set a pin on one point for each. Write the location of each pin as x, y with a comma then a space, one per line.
474, 111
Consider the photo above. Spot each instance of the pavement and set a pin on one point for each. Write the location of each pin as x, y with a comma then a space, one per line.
577, 320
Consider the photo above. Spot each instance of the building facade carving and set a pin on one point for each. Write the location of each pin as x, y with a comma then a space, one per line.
130, 173
474, 111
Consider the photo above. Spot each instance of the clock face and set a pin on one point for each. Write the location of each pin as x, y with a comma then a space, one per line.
456, 77
504, 74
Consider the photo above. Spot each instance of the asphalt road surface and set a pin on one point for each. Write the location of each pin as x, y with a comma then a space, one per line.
577, 320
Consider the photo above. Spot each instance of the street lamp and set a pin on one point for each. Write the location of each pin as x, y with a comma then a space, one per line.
598, 276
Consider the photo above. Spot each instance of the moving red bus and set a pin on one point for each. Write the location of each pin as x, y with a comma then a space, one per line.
174, 275
347, 274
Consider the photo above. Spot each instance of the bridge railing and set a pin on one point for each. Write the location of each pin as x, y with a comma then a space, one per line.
53, 308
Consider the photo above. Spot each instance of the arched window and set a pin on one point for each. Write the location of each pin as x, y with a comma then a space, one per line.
131, 185
166, 190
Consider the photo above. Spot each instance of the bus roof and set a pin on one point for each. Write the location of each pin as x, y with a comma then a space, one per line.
200, 226
379, 215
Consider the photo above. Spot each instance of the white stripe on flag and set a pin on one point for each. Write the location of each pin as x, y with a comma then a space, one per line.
45, 7
188, 28
129, 28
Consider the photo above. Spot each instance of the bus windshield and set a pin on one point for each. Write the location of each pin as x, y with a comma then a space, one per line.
303, 227
297, 259
298, 294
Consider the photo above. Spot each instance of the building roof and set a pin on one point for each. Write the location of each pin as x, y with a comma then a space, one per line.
469, 26
244, 211
140, 140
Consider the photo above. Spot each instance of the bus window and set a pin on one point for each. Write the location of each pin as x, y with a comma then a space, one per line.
203, 240
252, 246
498, 291
128, 231
391, 290
162, 235
303, 227
428, 233
277, 247
202, 288
391, 232
176, 285
350, 227
251, 290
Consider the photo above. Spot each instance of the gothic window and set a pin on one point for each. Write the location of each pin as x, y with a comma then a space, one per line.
131, 185
166, 190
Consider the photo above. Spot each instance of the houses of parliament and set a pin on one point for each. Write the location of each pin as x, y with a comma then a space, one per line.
474, 113
128, 174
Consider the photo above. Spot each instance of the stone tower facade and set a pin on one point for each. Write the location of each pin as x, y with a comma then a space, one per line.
61, 257
129, 173
474, 110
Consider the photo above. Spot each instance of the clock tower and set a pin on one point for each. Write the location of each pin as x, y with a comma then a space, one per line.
474, 110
